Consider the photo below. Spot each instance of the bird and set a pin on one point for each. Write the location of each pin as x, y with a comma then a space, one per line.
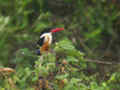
46, 38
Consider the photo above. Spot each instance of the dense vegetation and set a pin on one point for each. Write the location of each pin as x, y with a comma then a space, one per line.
86, 54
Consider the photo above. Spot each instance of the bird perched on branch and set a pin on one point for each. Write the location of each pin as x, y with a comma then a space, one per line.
46, 38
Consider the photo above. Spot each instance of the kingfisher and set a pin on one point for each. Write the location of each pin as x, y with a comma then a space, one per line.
46, 38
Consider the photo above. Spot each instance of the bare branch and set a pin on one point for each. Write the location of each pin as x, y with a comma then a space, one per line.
100, 62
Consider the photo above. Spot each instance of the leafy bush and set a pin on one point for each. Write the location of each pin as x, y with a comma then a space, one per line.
60, 70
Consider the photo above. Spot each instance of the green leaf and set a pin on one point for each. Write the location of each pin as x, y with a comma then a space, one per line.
71, 59
75, 80
61, 77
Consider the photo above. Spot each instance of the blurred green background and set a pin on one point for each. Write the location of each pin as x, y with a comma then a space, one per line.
91, 31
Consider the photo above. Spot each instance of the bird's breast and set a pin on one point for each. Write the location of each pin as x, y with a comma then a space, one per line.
45, 47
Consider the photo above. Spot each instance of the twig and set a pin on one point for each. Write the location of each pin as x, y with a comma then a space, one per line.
100, 62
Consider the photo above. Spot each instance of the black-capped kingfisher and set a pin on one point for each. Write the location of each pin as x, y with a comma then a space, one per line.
46, 38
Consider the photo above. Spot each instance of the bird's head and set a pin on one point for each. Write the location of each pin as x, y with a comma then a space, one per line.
47, 35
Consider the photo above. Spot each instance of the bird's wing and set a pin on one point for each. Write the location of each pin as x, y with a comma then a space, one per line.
40, 41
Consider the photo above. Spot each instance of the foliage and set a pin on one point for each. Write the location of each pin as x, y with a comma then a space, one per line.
91, 27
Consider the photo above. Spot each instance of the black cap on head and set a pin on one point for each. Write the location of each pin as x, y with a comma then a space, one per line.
46, 30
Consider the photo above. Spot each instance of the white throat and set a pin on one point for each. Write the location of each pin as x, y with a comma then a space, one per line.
47, 37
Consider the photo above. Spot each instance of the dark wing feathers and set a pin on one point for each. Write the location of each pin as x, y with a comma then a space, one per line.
46, 30
40, 41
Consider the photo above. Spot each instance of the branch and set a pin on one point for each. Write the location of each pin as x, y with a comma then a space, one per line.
100, 62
